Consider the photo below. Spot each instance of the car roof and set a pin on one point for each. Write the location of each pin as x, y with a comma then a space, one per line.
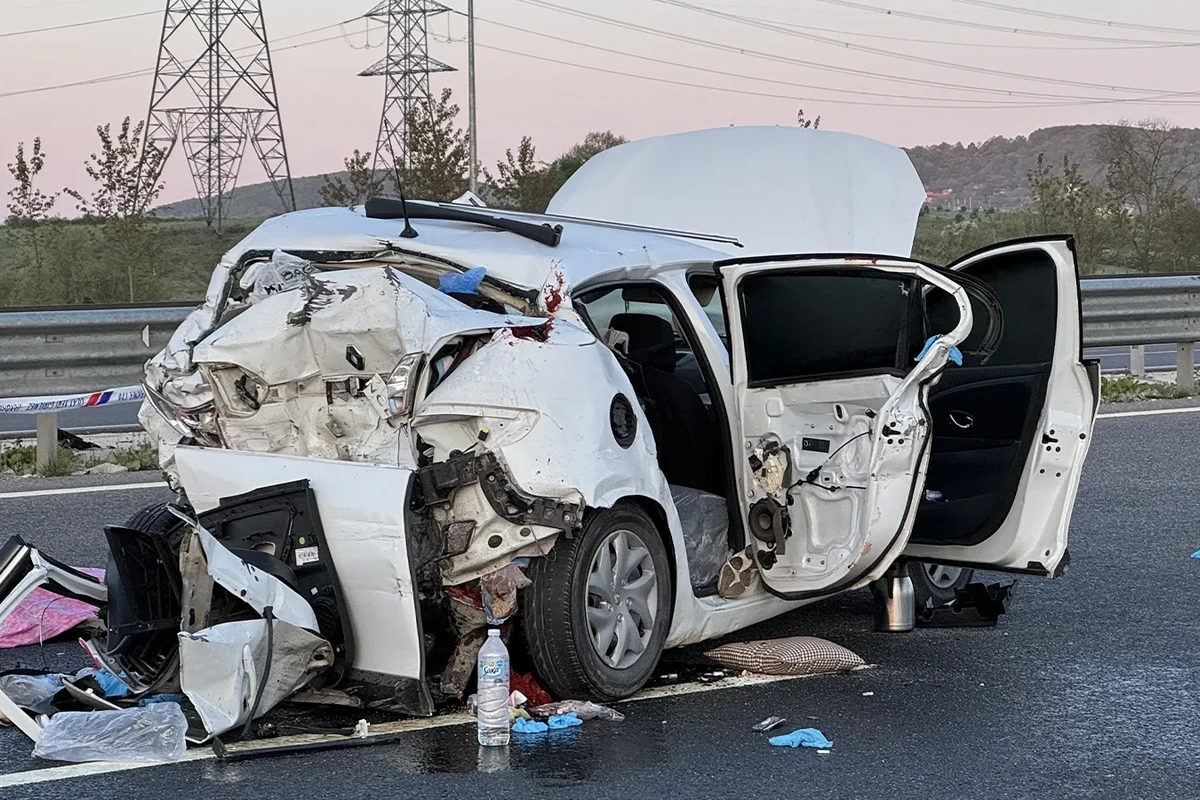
587, 249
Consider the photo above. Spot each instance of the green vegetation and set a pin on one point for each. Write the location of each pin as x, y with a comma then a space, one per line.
22, 460
1128, 389
1127, 192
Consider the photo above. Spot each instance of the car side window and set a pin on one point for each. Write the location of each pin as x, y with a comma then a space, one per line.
707, 291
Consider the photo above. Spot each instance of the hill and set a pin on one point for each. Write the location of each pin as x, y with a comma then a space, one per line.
991, 174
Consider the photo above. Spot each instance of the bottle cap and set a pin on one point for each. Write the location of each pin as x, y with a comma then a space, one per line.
494, 632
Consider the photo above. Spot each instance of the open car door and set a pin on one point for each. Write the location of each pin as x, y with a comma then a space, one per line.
1010, 433
832, 369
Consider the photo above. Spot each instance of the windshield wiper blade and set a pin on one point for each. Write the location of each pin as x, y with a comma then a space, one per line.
391, 208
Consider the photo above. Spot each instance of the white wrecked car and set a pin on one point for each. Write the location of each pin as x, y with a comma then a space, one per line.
708, 387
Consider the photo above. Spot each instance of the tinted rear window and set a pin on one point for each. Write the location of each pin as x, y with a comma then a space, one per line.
805, 325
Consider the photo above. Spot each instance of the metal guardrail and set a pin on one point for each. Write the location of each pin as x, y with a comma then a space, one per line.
1140, 311
58, 352
66, 352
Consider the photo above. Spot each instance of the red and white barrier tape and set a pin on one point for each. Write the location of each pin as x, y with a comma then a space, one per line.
44, 405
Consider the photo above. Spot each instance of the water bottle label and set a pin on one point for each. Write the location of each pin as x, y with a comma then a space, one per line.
494, 669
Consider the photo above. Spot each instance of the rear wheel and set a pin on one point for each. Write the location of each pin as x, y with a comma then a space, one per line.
596, 617
937, 585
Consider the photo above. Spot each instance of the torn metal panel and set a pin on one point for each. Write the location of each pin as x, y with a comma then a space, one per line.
229, 673
363, 514
258, 589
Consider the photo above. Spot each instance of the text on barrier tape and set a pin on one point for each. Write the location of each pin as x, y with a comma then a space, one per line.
41, 405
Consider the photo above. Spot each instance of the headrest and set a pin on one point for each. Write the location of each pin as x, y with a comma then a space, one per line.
651, 339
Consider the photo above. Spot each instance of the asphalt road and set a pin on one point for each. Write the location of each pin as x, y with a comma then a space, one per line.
1088, 688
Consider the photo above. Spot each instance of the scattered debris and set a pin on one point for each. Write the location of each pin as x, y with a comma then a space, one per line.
150, 735
105, 468
499, 592
797, 655
868, 694
805, 737
563, 721
583, 709
526, 726
768, 724
712, 677
1196, 554
977, 605
44, 615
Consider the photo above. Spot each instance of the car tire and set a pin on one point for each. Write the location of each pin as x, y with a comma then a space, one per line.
936, 585
590, 596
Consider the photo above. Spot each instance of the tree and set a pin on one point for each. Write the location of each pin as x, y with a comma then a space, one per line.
592, 145
126, 175
1151, 170
362, 183
1064, 202
29, 207
438, 154
804, 122
524, 183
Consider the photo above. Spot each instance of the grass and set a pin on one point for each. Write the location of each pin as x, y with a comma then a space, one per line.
1128, 389
22, 460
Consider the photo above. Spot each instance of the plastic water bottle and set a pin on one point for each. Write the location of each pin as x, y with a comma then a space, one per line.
492, 711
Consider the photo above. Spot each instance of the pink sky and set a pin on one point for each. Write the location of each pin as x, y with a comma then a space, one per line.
328, 111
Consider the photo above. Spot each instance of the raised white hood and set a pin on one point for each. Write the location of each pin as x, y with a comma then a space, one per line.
778, 190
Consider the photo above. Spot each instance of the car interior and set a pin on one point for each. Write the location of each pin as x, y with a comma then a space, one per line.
986, 415
638, 323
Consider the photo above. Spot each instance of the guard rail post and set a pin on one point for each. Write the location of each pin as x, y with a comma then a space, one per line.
1185, 366
47, 439
1137, 361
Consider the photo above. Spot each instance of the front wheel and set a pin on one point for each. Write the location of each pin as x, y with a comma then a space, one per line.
596, 617
936, 585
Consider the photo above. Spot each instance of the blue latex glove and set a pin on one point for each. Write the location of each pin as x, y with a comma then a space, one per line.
162, 698
955, 353
1196, 554
462, 283
570, 720
807, 737
523, 725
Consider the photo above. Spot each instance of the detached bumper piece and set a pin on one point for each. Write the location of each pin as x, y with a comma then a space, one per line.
23, 569
977, 605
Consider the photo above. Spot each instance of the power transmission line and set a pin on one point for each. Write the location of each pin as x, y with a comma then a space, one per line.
901, 56
825, 66
1148, 45
982, 26
1107, 23
83, 24
755, 78
142, 73
773, 95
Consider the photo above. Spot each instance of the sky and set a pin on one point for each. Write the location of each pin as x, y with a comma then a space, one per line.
927, 72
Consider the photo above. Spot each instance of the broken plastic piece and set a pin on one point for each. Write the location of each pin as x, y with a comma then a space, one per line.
151, 735
583, 709
768, 724
805, 737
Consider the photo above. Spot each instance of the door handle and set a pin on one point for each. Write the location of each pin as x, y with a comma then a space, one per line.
961, 420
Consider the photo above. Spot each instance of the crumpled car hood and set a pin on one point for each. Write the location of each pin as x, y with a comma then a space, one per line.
779, 190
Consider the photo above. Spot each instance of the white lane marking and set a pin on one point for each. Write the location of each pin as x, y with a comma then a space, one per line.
1153, 412
52, 774
123, 487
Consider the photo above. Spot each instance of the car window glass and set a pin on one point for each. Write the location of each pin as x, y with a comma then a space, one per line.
708, 296
806, 325
601, 308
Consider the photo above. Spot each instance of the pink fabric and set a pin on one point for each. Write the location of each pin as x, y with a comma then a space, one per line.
44, 615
